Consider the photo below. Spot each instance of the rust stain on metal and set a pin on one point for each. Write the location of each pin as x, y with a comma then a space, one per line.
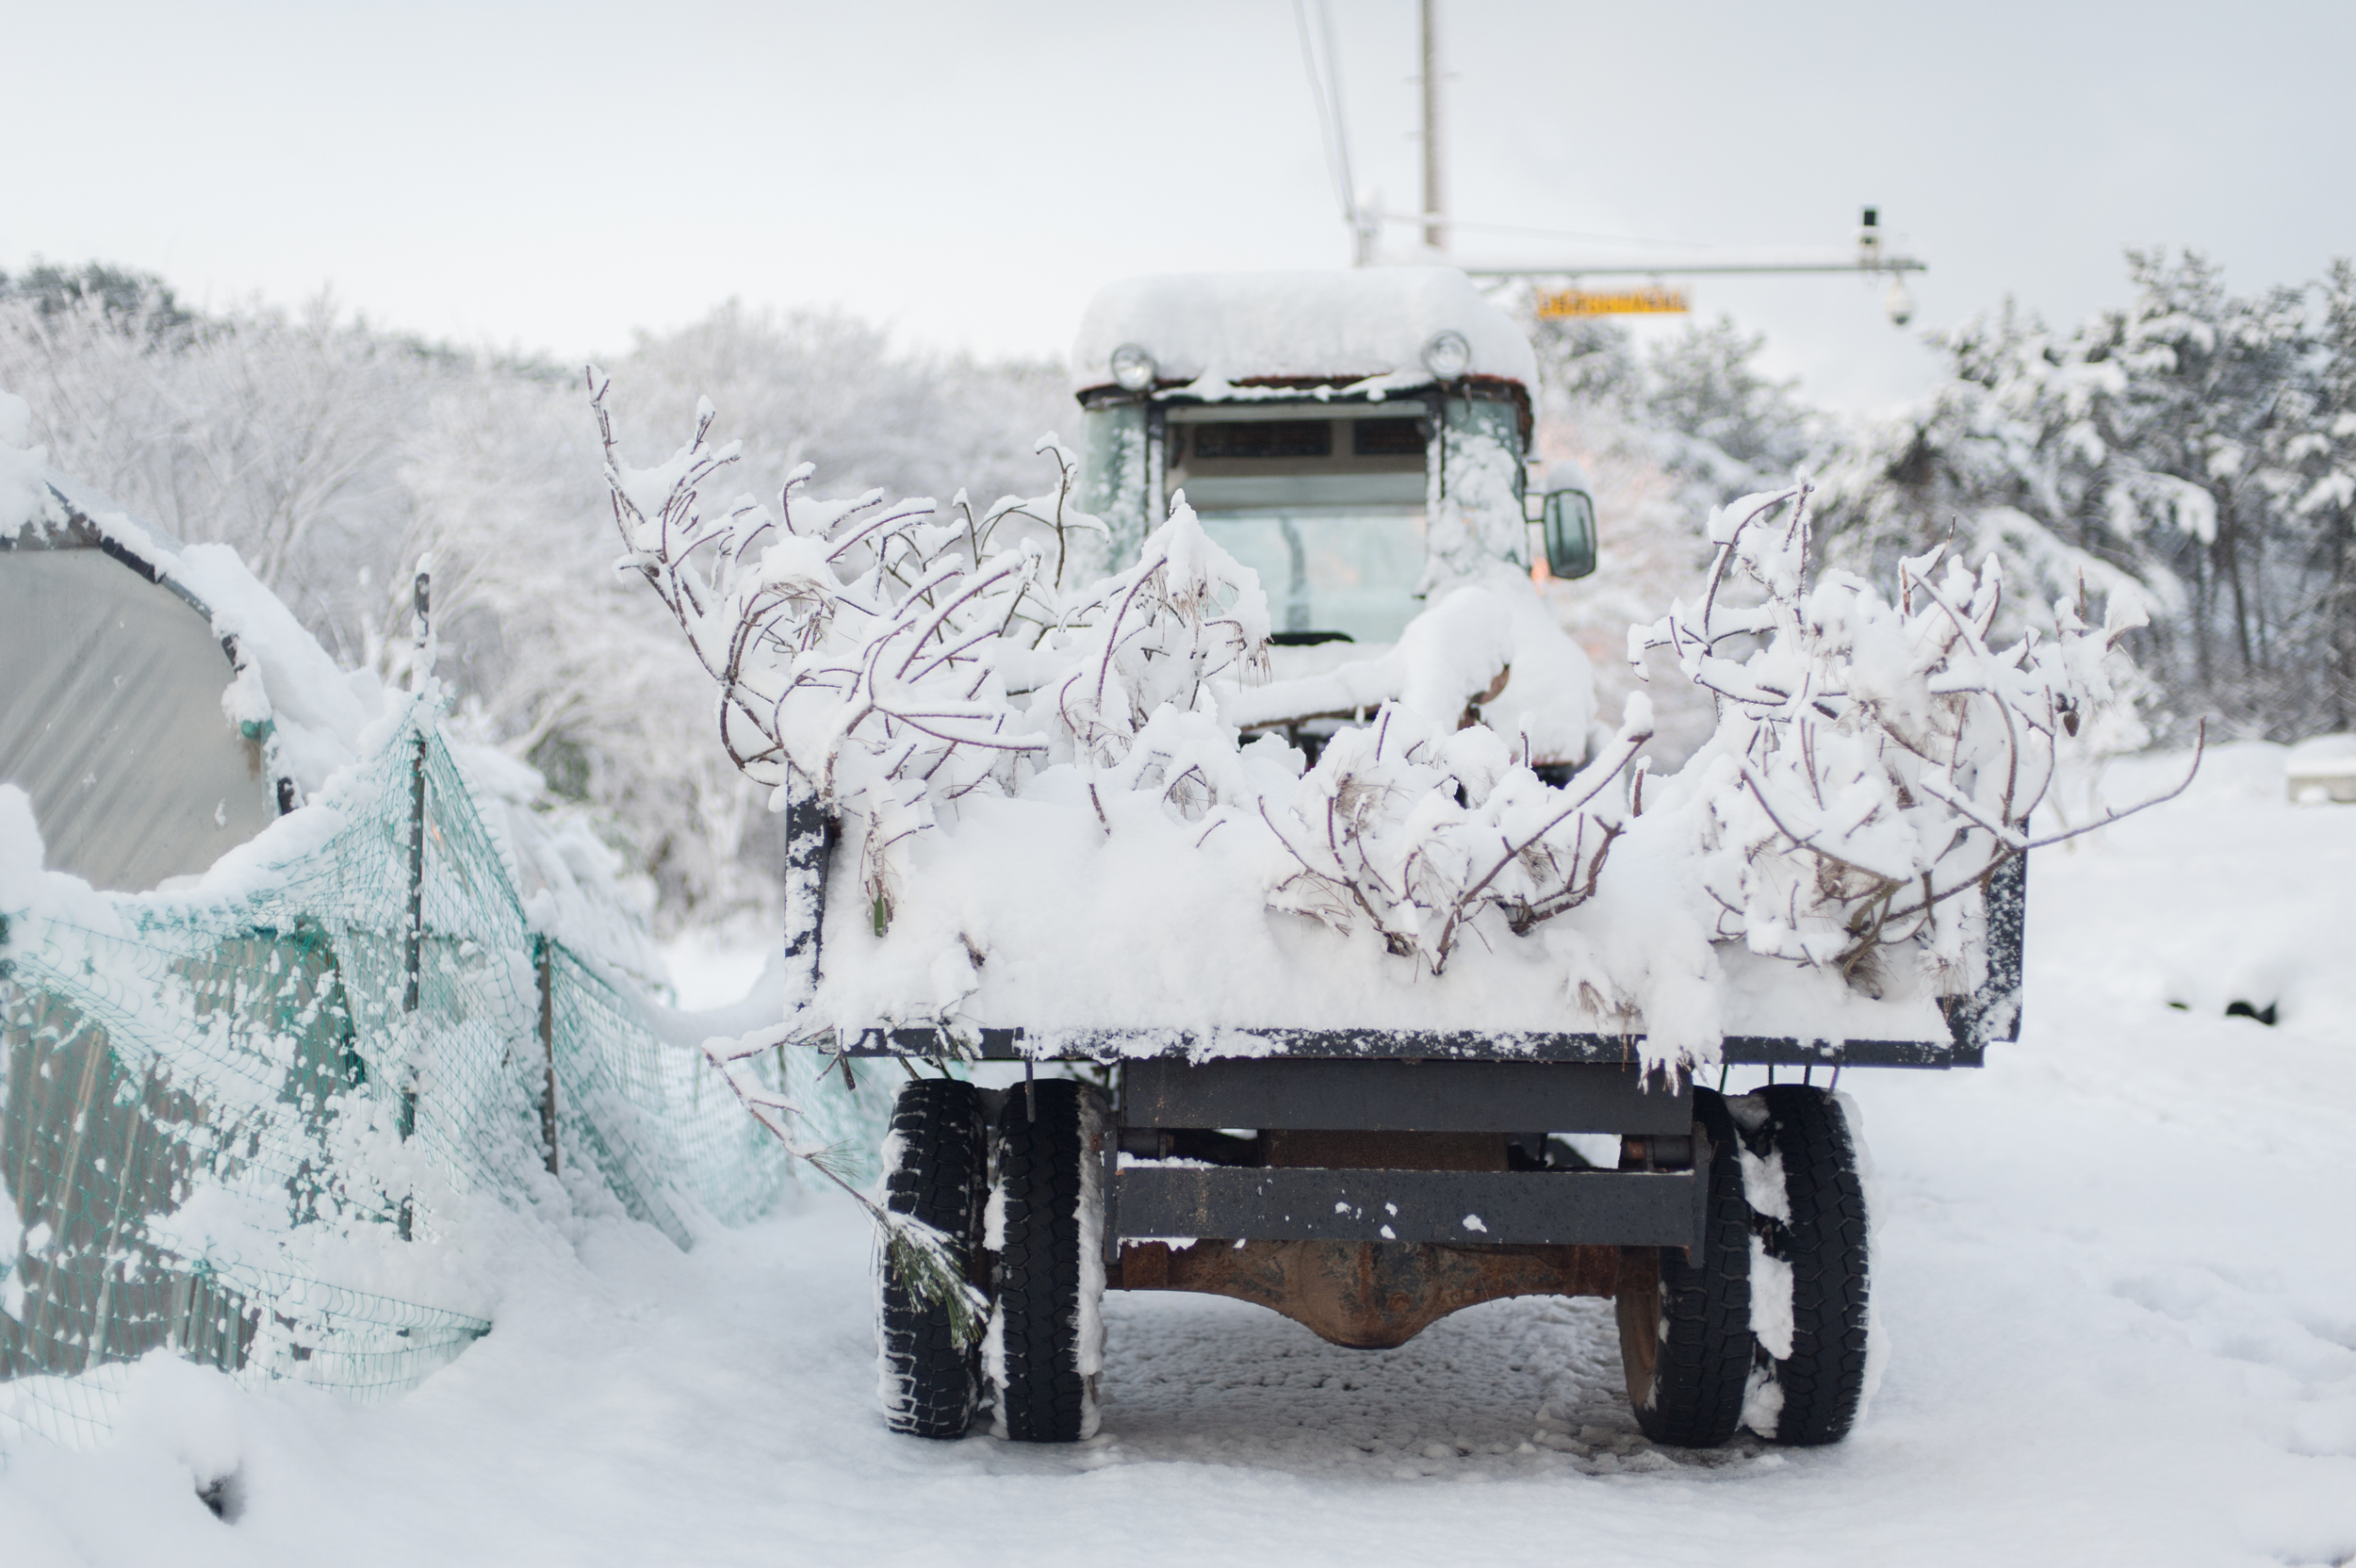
1376, 1296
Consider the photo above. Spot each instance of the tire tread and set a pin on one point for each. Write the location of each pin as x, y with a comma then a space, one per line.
1825, 1243
1706, 1350
1042, 1397
933, 1384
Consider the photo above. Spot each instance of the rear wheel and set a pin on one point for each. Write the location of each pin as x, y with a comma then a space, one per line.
934, 1171
1822, 1383
1685, 1334
1046, 1333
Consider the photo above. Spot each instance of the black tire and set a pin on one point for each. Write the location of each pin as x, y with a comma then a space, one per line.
1685, 1337
936, 1172
1823, 1380
1045, 1371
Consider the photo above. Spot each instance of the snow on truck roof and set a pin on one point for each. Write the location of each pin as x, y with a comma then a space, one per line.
1351, 325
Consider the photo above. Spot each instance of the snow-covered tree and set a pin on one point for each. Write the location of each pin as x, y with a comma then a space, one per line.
332, 455
279, 433
2183, 448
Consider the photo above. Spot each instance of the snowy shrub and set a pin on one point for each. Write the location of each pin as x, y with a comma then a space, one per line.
892, 664
1873, 760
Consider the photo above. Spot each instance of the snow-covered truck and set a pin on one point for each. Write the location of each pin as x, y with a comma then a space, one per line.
1441, 1014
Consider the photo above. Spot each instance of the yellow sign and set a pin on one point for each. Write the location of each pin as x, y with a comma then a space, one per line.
1633, 302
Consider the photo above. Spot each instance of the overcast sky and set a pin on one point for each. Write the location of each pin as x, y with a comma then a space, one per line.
551, 176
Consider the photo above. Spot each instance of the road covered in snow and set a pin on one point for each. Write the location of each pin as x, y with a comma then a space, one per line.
2119, 1268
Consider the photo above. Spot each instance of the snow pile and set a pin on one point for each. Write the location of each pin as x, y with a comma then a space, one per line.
2285, 869
317, 711
1368, 325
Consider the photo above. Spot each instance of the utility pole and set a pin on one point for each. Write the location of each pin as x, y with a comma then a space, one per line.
1434, 194
1873, 258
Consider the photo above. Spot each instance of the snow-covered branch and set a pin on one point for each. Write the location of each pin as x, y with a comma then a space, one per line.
1419, 828
1872, 760
895, 665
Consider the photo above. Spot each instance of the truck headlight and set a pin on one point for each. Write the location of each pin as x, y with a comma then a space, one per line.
1132, 368
1446, 355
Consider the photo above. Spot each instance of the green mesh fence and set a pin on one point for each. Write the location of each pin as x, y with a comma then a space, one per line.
212, 1109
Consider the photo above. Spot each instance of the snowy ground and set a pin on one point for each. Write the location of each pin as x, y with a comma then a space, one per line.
2120, 1267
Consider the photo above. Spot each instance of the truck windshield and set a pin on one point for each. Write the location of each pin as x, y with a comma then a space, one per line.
1349, 569
1326, 505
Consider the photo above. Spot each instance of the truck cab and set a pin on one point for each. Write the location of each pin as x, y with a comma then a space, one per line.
1362, 440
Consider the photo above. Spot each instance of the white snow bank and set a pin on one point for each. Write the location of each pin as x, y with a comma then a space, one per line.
1153, 927
318, 710
2287, 871
1355, 325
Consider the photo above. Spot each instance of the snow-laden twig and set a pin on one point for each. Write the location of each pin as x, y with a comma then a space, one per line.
920, 1255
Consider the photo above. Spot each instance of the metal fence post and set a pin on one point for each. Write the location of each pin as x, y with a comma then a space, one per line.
544, 961
413, 963
414, 947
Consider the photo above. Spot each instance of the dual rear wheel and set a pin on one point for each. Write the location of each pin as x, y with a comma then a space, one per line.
1765, 1324
1014, 1199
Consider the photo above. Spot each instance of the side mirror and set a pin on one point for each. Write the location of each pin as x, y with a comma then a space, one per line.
1568, 523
